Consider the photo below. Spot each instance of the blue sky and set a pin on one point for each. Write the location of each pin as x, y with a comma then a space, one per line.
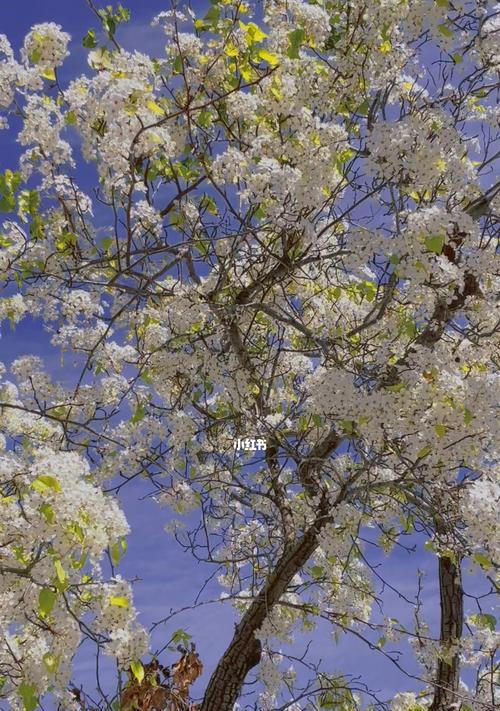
168, 578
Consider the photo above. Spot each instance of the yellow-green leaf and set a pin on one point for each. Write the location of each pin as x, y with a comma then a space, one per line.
269, 57
28, 694
49, 74
155, 108
51, 662
445, 30
137, 670
45, 483
482, 560
60, 572
435, 243
252, 32
468, 416
231, 50
440, 430
484, 620
119, 601
295, 40
46, 601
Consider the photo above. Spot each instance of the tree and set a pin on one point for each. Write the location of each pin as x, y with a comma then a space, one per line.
288, 239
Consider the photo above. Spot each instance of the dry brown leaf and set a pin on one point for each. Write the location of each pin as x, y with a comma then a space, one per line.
186, 671
153, 694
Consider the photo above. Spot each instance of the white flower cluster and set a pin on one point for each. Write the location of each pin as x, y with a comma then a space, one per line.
112, 109
46, 45
70, 521
146, 218
80, 303
403, 151
483, 530
272, 678
42, 134
180, 497
489, 46
116, 616
8, 74
297, 174
13, 308
284, 16
406, 701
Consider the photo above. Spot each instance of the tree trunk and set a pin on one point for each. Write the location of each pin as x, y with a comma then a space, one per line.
244, 650
448, 672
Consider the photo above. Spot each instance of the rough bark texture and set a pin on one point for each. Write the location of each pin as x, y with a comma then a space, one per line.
448, 673
244, 651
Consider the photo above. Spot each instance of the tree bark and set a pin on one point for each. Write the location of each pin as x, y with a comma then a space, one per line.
448, 673
244, 650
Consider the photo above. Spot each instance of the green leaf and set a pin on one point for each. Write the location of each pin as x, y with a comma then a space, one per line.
468, 416
204, 118
213, 15
295, 40
51, 662
482, 560
435, 243
317, 571
28, 694
252, 32
180, 636
440, 430
70, 118
78, 564
60, 572
177, 65
363, 108
45, 483
208, 203
123, 14
485, 621
445, 30
348, 426
137, 670
119, 601
155, 108
47, 512
139, 414
65, 240
90, 40
9, 183
117, 550
46, 601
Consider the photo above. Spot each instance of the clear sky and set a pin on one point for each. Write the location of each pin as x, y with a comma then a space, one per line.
168, 578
